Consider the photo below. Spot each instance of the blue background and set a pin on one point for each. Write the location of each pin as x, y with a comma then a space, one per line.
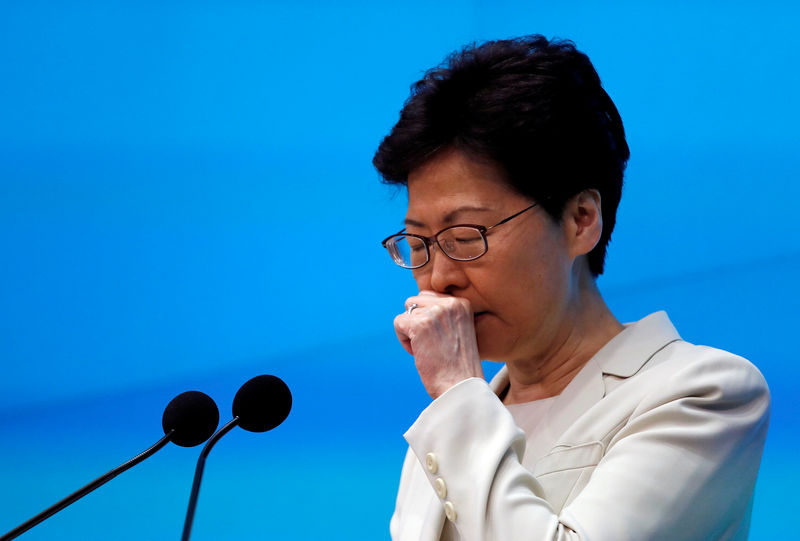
187, 200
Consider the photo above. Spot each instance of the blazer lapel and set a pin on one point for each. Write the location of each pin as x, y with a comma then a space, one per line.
583, 392
585, 389
622, 356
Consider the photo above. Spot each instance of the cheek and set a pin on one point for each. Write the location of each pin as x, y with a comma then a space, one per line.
422, 278
530, 282
542, 262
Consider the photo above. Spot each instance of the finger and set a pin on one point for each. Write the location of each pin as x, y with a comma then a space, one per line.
417, 303
401, 329
424, 300
448, 302
431, 293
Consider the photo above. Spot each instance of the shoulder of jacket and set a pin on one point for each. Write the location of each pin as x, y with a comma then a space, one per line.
686, 369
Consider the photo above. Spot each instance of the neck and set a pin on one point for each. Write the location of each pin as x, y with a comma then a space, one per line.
586, 325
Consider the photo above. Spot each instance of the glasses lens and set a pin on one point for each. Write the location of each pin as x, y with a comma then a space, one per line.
463, 243
408, 251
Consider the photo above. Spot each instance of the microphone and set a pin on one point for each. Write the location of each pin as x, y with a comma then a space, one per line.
261, 404
189, 419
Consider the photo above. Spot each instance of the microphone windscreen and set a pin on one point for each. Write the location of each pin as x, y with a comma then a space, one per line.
193, 416
262, 403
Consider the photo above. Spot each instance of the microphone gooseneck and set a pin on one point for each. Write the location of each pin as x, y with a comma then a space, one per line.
187, 418
198, 476
261, 404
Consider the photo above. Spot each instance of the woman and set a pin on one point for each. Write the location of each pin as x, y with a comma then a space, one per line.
513, 157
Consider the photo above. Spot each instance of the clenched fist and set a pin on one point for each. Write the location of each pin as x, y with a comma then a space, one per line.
440, 334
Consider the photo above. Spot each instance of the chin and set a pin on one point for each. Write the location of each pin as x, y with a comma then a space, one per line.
490, 346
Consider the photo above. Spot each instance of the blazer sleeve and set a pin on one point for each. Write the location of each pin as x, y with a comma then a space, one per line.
682, 467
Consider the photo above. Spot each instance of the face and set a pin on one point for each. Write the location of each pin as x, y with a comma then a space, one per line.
520, 289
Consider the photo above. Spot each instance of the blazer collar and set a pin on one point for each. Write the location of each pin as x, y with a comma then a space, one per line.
626, 353
622, 356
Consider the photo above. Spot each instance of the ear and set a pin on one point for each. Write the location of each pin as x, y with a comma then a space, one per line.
583, 222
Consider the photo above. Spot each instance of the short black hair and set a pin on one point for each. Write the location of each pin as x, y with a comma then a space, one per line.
533, 107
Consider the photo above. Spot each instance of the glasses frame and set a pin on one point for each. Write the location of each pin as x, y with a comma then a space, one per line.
429, 241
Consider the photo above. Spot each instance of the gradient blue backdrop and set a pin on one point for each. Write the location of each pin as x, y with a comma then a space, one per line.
187, 200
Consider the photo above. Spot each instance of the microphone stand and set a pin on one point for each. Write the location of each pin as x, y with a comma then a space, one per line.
198, 474
75, 496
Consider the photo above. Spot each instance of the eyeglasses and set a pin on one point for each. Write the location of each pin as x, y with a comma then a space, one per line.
462, 242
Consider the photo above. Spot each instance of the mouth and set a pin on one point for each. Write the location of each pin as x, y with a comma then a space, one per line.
479, 315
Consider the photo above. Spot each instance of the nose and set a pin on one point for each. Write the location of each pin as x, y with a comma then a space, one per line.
442, 274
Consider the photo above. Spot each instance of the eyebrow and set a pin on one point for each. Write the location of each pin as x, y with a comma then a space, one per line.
450, 216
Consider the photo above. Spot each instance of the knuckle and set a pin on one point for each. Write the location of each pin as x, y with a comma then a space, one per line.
424, 321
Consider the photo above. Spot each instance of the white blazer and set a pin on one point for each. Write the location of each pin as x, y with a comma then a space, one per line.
654, 439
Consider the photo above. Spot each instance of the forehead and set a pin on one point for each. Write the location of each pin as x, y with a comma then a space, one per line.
451, 180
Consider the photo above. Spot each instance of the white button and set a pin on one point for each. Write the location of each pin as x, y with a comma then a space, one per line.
450, 511
441, 487
431, 463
